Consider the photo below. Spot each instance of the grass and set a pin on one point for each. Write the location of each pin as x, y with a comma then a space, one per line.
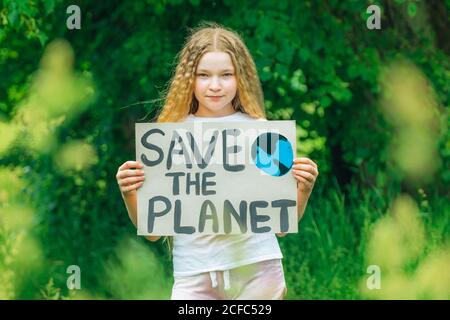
328, 258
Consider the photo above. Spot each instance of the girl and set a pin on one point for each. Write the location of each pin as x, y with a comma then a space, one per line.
216, 80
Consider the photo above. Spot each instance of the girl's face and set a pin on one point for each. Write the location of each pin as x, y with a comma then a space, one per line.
215, 85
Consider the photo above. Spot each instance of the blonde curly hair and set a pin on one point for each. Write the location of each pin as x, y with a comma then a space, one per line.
179, 98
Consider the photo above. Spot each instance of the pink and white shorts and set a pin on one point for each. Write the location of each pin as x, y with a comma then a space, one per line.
263, 280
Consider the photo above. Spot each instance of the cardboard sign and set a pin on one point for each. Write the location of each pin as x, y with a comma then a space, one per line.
216, 177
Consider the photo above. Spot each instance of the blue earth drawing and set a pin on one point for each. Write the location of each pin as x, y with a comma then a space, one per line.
273, 154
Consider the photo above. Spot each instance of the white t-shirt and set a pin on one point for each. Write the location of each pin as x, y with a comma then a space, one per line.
194, 254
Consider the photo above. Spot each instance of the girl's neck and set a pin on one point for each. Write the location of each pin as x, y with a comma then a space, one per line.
215, 114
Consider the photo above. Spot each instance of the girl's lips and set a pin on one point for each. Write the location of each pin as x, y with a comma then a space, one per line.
214, 98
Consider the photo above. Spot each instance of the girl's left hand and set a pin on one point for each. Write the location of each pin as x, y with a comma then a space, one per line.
305, 171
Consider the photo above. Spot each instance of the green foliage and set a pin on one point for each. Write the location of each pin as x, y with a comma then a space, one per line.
318, 64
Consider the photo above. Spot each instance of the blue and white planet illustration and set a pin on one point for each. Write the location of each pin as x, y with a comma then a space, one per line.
273, 154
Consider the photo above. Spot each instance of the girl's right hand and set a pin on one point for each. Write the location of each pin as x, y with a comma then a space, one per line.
130, 177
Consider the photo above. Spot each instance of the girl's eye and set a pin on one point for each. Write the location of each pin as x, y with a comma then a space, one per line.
228, 74
203, 75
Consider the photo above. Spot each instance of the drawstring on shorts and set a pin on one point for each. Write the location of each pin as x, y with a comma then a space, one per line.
226, 279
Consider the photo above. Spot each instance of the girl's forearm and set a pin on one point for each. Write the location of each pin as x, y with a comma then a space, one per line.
302, 201
131, 204
130, 200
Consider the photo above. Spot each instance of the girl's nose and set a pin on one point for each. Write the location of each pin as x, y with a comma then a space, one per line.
214, 84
